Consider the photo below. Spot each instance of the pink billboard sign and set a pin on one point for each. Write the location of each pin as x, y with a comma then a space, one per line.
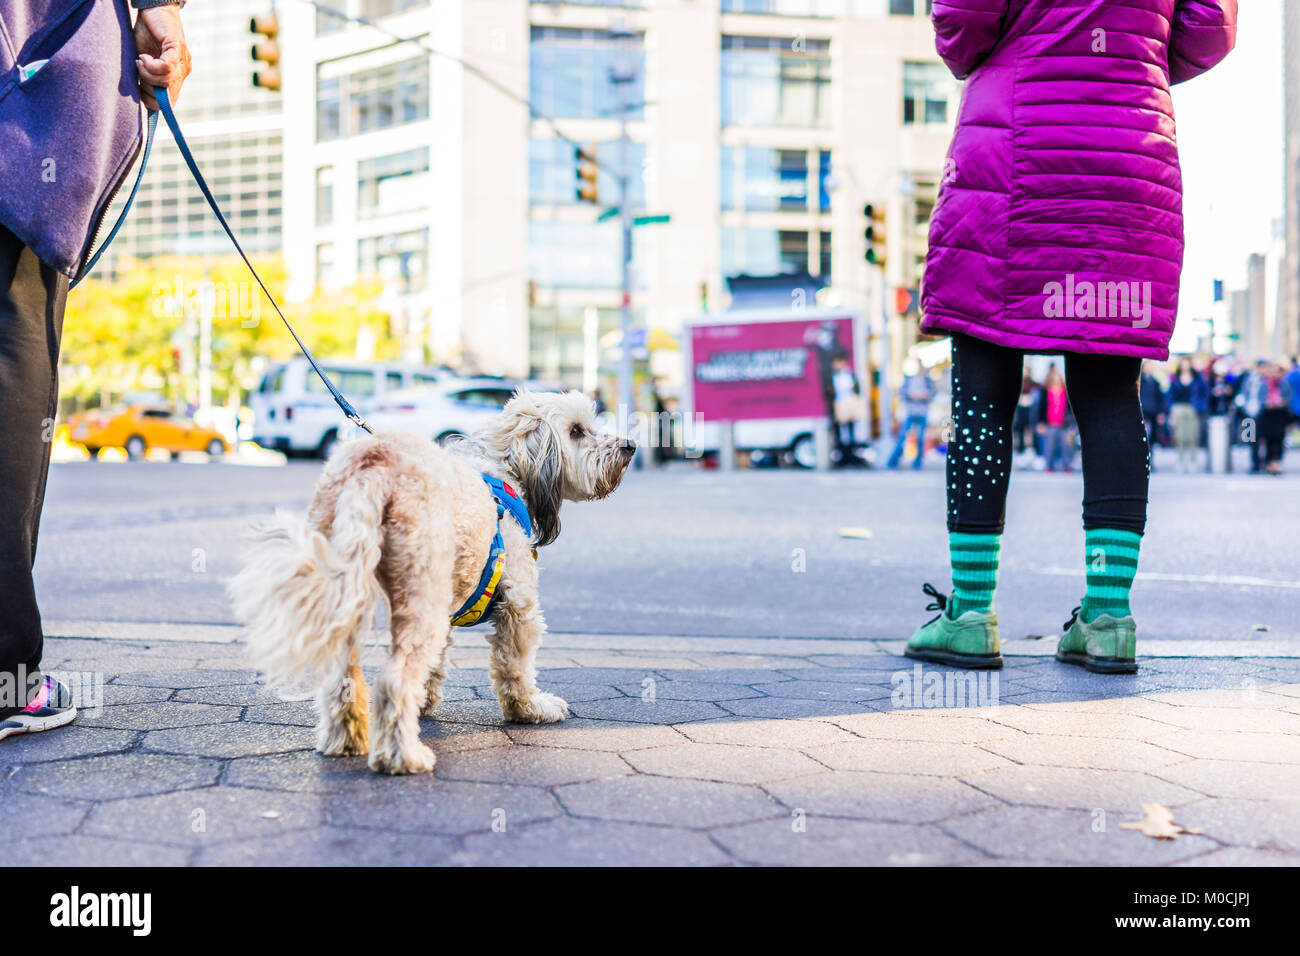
746, 370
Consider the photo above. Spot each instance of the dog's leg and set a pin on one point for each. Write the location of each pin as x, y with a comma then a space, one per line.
343, 710
519, 626
420, 623
433, 686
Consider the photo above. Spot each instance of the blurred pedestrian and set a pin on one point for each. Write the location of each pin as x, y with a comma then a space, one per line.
917, 393
1152, 396
1275, 398
1188, 397
1293, 380
85, 119
1219, 390
1248, 407
1026, 409
849, 410
1041, 199
1054, 421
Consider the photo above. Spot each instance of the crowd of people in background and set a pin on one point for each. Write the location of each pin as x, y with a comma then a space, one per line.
1260, 402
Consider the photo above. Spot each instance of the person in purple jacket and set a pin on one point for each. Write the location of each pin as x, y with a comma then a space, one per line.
69, 134
1058, 229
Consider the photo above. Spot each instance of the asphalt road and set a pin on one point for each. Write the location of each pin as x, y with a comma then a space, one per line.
688, 552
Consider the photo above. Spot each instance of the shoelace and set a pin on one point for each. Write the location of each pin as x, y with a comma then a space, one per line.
1074, 616
939, 604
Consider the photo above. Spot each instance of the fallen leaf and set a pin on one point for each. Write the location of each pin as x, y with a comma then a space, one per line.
855, 533
1034, 637
1158, 822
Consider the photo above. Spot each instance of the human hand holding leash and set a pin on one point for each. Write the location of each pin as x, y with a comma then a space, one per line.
163, 55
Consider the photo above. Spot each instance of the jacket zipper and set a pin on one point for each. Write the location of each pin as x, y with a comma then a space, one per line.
89, 249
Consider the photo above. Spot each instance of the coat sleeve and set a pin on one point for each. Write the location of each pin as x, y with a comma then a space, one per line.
966, 31
1202, 34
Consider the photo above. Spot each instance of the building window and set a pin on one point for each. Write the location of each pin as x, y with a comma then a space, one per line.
377, 9
908, 8
578, 255
392, 184
927, 89
757, 179
389, 96
764, 252
787, 8
374, 99
824, 255
557, 335
569, 73
328, 22
324, 195
400, 259
325, 265
553, 173
824, 182
328, 114
773, 81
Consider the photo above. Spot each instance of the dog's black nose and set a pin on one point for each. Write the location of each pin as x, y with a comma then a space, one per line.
628, 449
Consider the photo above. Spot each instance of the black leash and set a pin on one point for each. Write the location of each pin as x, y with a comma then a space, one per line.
165, 105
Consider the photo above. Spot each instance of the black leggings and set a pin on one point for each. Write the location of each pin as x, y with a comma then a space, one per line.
1103, 392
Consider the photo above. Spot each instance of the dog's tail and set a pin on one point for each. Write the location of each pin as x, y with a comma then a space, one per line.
305, 597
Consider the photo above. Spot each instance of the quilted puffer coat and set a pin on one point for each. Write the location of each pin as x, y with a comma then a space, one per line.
1059, 226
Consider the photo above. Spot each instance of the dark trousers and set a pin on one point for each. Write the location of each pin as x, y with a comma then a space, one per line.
32, 297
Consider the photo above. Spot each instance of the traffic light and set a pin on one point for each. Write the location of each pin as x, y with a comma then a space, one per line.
266, 52
874, 234
585, 161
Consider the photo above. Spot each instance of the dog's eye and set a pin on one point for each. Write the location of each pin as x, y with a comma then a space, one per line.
576, 432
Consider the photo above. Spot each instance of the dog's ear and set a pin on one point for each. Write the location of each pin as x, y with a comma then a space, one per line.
540, 467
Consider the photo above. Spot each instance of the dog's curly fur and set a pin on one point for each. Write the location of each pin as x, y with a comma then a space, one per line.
397, 514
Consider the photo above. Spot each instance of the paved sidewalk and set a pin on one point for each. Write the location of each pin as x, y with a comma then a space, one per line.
677, 751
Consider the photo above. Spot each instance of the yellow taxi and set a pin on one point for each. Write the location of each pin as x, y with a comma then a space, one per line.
139, 428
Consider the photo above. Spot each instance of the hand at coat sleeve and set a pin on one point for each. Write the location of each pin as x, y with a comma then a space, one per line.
1203, 33
966, 31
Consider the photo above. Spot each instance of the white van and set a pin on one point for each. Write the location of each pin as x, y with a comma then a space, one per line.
293, 411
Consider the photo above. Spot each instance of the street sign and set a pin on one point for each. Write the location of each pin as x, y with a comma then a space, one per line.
609, 213
650, 220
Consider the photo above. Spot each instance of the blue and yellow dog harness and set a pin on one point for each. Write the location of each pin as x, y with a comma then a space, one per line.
479, 605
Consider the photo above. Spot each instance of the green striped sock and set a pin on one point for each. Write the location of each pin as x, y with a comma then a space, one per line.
1112, 561
974, 571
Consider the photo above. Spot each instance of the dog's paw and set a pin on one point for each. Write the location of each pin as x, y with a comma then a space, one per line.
417, 759
541, 708
343, 740
430, 705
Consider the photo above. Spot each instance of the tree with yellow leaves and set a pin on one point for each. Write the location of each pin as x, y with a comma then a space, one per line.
138, 333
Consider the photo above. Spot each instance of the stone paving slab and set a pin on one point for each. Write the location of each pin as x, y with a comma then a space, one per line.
771, 753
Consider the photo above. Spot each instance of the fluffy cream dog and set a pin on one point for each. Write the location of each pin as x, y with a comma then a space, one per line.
395, 513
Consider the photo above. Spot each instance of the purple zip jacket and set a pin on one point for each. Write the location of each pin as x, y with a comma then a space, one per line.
69, 129
1059, 221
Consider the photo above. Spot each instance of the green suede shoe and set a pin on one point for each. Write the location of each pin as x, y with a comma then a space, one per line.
970, 641
1107, 645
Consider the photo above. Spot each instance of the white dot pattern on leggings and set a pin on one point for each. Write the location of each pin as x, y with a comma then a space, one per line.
973, 471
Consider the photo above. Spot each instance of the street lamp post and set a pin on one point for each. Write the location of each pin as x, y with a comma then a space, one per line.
622, 74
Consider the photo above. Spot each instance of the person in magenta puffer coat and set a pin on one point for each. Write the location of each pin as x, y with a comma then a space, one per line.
1058, 229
